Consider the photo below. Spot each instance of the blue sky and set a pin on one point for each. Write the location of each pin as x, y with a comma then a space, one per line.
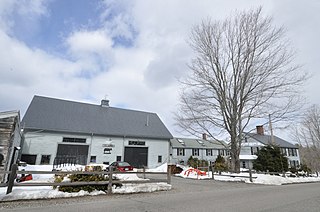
133, 51
61, 18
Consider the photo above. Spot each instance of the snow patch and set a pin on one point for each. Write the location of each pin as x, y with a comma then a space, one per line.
47, 192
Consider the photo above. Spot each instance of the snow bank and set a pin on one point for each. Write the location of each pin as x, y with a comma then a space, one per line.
129, 177
138, 188
47, 192
279, 180
243, 177
162, 168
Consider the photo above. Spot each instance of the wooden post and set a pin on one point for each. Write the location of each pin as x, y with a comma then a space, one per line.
197, 173
250, 175
144, 172
12, 176
212, 170
169, 175
110, 180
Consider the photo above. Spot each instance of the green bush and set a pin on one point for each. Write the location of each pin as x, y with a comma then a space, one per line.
58, 179
293, 169
84, 178
270, 159
195, 162
220, 164
305, 168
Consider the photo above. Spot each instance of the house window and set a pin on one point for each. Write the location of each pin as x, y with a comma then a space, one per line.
137, 143
209, 152
294, 164
243, 164
292, 152
295, 152
284, 151
221, 152
93, 159
107, 151
1, 159
228, 153
74, 140
195, 152
254, 150
180, 152
159, 158
45, 159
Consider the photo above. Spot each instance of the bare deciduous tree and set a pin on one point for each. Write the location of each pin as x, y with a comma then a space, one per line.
307, 134
242, 69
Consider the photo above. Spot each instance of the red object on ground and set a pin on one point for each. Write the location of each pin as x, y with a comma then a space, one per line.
199, 172
25, 178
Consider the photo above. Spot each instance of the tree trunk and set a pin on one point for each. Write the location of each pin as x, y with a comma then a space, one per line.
235, 151
235, 163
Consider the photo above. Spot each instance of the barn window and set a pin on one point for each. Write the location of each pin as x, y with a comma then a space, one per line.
137, 143
107, 151
74, 140
45, 159
93, 159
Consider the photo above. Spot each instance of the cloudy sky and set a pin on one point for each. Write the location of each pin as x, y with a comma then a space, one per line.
133, 52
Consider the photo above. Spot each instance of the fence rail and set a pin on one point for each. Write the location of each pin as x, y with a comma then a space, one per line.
14, 171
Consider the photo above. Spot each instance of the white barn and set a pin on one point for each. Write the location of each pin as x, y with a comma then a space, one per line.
56, 130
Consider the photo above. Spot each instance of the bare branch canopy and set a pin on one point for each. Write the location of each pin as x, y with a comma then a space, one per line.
243, 68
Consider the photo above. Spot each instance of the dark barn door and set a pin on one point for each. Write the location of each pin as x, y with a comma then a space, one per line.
29, 159
79, 152
136, 156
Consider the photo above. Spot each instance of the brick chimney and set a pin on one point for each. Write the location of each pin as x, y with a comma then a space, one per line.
260, 130
204, 136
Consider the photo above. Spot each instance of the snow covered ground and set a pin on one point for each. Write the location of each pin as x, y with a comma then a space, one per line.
44, 192
244, 177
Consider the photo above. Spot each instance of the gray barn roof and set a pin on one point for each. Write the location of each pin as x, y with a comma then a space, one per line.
266, 139
67, 116
195, 143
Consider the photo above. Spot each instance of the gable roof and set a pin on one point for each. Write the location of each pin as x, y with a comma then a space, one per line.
195, 143
266, 139
59, 115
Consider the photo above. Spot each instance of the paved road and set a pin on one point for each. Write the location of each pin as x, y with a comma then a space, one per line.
191, 195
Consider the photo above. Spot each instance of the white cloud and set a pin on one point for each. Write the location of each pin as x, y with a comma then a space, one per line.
82, 43
118, 19
30, 10
25, 72
140, 76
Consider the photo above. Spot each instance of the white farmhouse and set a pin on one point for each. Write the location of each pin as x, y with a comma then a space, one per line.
203, 149
253, 142
57, 130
